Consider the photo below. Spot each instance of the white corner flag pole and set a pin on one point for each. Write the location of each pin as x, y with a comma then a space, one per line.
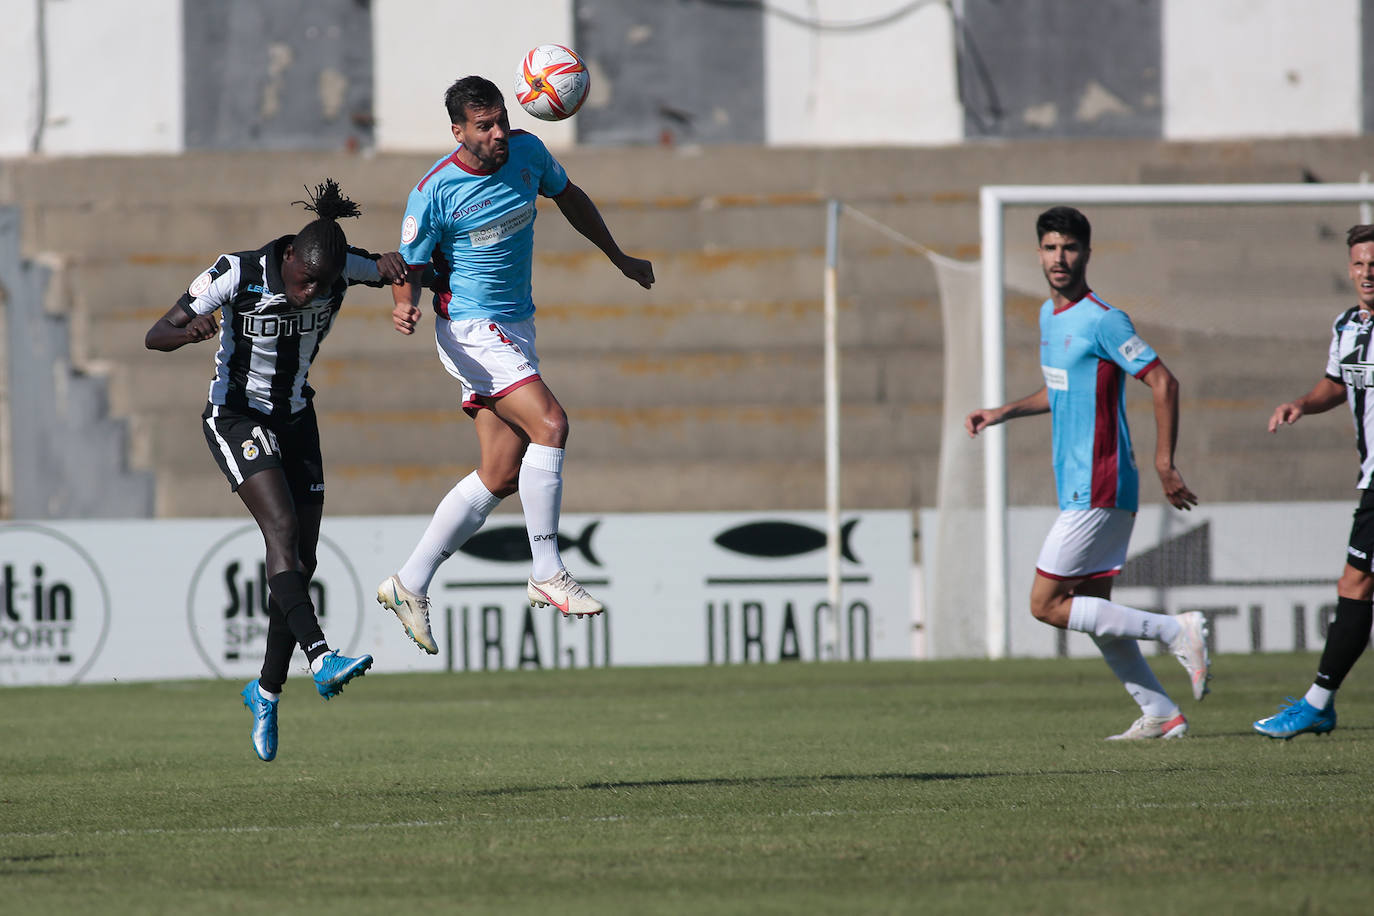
832, 423
998, 603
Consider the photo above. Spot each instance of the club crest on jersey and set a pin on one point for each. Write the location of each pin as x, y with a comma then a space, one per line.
250, 450
525, 177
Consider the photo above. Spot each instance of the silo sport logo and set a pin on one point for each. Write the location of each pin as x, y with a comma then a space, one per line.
54, 607
227, 603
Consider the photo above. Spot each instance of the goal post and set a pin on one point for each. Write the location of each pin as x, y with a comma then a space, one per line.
993, 202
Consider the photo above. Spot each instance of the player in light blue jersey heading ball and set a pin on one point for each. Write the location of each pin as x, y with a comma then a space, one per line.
1087, 350
471, 218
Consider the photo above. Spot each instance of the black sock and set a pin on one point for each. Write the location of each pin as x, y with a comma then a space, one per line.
276, 661
1345, 641
292, 592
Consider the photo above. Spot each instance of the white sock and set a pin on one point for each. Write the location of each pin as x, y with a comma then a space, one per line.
1128, 663
458, 516
268, 696
1318, 697
541, 495
1100, 617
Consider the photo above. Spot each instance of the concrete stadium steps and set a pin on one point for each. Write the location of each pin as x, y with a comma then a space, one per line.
744, 432
705, 392
881, 292
173, 383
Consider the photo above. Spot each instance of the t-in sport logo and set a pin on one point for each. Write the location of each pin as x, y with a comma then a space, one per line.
227, 603
54, 607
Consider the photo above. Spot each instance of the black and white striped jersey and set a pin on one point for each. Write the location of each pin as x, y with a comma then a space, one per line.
265, 346
1351, 364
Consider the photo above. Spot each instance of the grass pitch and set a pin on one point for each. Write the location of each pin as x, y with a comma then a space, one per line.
949, 787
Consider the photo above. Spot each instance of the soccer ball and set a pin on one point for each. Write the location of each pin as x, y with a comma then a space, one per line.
551, 82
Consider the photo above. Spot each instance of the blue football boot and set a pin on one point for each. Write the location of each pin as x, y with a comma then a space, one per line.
1297, 717
338, 670
264, 721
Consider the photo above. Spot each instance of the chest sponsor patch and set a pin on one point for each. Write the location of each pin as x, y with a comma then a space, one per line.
1056, 379
1357, 375
504, 228
1132, 348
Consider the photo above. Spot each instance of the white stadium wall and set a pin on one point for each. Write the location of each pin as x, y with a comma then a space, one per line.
421, 47
890, 85
114, 77
1261, 68
19, 77
828, 72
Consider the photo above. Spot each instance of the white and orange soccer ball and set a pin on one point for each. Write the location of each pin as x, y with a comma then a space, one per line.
551, 82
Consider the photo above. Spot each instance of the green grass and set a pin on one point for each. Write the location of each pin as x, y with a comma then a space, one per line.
959, 787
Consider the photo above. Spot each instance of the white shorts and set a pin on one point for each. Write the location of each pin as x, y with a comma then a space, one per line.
1086, 544
490, 358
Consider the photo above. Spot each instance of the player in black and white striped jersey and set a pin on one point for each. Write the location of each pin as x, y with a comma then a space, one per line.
275, 306
1349, 378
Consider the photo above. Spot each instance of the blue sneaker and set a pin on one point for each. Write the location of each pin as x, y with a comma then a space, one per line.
339, 670
1297, 717
264, 721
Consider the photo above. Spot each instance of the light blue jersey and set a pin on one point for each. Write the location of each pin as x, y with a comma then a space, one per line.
1086, 351
479, 229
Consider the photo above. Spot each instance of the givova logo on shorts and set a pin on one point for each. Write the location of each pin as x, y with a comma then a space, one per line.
227, 603
54, 607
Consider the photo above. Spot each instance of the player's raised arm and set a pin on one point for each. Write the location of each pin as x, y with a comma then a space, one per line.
178, 328
582, 214
1325, 395
405, 294
1164, 390
1029, 406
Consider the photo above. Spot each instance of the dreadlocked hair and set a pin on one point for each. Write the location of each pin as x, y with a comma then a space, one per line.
322, 243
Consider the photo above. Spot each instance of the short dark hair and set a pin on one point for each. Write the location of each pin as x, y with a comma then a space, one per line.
322, 242
474, 91
1065, 221
1359, 234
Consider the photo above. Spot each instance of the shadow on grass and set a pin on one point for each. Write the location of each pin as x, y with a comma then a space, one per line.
766, 781
1349, 732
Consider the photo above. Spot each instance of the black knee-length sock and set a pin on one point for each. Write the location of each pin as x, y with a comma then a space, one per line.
1345, 641
276, 661
292, 591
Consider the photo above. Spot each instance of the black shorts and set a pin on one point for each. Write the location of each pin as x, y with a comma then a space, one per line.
245, 442
1362, 534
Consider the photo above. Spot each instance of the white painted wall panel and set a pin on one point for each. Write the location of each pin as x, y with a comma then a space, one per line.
18, 76
114, 77
421, 47
892, 84
1261, 68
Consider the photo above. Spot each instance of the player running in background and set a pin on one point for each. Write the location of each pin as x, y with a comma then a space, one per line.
276, 305
1349, 377
1087, 348
472, 215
